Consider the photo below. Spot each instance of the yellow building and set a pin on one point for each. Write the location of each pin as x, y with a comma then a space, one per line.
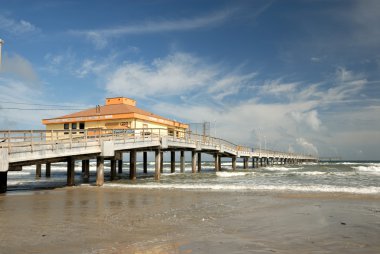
117, 113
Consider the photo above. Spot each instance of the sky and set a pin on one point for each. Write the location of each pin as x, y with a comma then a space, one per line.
290, 75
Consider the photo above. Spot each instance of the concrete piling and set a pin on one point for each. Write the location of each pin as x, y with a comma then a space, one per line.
157, 171
199, 161
132, 165
162, 162
245, 162
48, 169
193, 162
145, 162
172, 161
233, 163
70, 171
3, 181
113, 169
216, 157
99, 170
38, 171
182, 161
86, 170
120, 166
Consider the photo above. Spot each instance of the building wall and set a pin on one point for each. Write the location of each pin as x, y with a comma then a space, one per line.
145, 126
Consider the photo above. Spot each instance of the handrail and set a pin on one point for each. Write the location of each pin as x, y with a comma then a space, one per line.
19, 140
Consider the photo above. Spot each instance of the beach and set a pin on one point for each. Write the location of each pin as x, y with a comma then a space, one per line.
89, 219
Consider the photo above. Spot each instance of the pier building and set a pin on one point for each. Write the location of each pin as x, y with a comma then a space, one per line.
118, 113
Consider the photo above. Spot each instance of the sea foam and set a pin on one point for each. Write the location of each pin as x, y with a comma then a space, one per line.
222, 187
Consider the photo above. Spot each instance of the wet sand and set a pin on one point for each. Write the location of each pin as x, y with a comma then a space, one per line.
88, 219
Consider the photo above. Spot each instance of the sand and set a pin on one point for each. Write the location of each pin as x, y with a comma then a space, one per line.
88, 219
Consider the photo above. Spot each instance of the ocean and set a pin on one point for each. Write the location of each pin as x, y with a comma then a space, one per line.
335, 177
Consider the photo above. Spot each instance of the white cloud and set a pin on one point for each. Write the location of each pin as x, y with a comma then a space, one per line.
20, 67
17, 27
100, 36
278, 88
14, 90
309, 147
309, 117
175, 74
229, 85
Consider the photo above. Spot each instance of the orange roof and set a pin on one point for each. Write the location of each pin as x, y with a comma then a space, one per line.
124, 110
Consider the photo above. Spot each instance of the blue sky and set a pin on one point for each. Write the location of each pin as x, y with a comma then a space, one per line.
298, 75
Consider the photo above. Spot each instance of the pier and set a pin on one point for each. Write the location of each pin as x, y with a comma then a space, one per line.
37, 147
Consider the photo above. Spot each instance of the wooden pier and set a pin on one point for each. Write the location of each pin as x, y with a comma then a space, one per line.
36, 147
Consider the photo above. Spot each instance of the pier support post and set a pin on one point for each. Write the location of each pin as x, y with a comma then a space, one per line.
86, 170
132, 165
253, 162
120, 166
220, 163
3, 181
172, 161
199, 161
99, 171
48, 169
157, 171
216, 157
145, 162
193, 162
38, 170
261, 161
83, 167
70, 171
162, 162
113, 169
233, 163
245, 161
182, 159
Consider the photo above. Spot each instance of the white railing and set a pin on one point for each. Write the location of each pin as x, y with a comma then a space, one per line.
38, 140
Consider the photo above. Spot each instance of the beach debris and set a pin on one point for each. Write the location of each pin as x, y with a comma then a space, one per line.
343, 223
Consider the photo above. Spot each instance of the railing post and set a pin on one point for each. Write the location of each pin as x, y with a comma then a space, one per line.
31, 140
9, 141
85, 138
71, 139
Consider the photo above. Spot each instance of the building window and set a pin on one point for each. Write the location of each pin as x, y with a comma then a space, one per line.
74, 127
66, 126
81, 127
170, 132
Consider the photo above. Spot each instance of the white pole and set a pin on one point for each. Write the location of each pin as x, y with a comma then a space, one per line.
1, 44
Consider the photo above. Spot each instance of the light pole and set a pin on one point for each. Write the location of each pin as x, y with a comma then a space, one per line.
1, 45
214, 128
265, 142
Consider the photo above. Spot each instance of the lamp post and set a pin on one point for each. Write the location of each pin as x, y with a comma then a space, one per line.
1, 45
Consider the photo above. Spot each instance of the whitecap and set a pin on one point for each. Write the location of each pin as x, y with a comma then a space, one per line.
231, 174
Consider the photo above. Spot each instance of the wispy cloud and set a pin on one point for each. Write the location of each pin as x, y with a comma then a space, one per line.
100, 36
20, 68
176, 74
16, 27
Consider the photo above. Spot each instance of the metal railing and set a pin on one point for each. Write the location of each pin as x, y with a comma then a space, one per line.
37, 140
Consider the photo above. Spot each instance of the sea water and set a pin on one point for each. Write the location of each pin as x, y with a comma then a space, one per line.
342, 177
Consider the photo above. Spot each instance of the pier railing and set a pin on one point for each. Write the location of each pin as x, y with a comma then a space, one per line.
20, 141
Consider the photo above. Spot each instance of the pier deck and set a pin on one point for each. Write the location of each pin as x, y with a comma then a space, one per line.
21, 148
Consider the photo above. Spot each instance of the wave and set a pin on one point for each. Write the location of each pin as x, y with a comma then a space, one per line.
220, 187
372, 169
282, 168
231, 174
